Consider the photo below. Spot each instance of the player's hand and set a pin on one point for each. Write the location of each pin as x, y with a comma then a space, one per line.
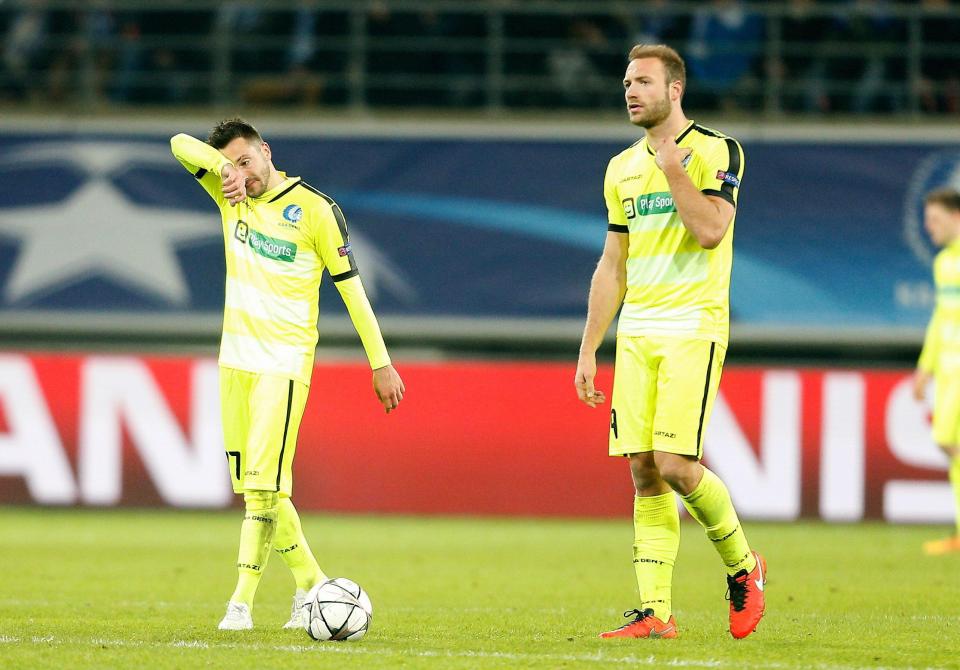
586, 371
669, 154
921, 380
389, 387
234, 185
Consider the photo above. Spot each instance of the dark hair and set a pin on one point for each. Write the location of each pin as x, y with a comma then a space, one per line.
672, 62
948, 198
230, 129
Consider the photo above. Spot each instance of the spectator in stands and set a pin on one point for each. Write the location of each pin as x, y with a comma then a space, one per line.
292, 81
657, 23
129, 60
24, 52
81, 54
573, 72
272, 52
725, 44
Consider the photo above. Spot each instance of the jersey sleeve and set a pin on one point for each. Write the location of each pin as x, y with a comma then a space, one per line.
722, 169
931, 346
203, 161
364, 321
616, 217
333, 242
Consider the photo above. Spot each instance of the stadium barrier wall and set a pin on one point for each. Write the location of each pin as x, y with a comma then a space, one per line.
460, 233
496, 438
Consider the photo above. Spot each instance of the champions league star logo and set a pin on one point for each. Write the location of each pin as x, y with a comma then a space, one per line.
938, 170
99, 230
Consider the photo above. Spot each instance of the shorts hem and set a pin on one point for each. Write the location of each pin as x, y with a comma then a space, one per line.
270, 487
264, 372
675, 450
629, 451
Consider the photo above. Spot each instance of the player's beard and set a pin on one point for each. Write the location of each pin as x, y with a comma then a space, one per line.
655, 113
261, 185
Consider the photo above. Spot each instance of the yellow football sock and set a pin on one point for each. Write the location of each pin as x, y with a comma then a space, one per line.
710, 504
955, 481
256, 536
292, 546
656, 528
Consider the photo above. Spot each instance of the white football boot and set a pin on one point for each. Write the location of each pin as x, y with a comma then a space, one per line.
298, 615
238, 617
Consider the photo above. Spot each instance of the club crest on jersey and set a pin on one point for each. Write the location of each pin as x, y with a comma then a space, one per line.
240, 232
293, 213
728, 177
344, 250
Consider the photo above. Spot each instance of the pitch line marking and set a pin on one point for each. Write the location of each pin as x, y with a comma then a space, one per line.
597, 657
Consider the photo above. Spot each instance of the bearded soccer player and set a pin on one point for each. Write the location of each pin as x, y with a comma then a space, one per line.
671, 200
940, 358
280, 235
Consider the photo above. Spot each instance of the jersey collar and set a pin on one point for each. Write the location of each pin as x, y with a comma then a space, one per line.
678, 139
280, 189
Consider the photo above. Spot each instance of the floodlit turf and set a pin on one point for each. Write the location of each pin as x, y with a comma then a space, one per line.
131, 589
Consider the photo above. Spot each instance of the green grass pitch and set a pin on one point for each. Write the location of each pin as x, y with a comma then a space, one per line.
137, 588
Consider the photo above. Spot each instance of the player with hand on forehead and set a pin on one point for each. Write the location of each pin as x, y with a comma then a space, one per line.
280, 236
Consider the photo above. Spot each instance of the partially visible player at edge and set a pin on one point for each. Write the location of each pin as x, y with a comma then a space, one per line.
671, 200
940, 358
280, 234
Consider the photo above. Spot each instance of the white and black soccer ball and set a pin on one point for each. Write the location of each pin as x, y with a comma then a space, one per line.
337, 609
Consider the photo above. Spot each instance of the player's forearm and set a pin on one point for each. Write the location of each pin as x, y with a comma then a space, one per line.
364, 321
701, 217
607, 289
195, 155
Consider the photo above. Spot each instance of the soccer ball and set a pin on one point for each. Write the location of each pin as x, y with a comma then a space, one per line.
337, 609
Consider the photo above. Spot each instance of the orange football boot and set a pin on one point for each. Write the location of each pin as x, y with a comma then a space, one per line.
939, 547
746, 598
644, 625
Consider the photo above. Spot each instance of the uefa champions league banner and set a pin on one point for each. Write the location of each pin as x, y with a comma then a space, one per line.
826, 234
840, 445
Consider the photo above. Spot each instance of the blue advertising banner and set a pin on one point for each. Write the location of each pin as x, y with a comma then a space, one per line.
826, 234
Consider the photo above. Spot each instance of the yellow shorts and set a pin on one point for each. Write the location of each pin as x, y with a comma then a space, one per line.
663, 393
261, 418
946, 408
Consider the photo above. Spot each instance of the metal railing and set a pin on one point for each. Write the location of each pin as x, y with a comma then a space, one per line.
760, 58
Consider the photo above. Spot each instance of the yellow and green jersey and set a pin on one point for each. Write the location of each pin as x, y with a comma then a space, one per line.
941, 347
277, 247
675, 287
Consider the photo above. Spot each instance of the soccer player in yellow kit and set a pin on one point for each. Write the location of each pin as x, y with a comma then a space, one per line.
671, 200
940, 358
280, 234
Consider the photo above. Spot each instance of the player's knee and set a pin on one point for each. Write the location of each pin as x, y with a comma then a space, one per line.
644, 471
260, 500
681, 472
